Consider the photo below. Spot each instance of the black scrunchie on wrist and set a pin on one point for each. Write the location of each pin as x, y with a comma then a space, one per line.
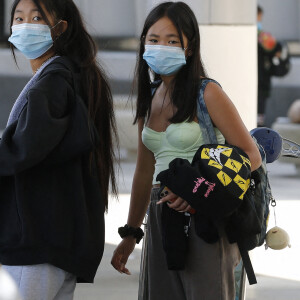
126, 230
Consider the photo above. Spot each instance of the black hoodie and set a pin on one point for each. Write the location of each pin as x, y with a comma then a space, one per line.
51, 209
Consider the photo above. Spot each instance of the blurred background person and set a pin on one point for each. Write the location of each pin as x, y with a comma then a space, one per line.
272, 61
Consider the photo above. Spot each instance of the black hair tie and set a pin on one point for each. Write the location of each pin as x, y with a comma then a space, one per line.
126, 230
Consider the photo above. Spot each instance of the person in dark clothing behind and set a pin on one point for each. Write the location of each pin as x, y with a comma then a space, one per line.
56, 155
268, 48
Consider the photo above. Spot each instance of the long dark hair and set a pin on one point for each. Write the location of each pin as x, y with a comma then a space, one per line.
186, 82
79, 46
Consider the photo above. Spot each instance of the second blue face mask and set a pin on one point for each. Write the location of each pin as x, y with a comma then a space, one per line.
33, 40
259, 26
164, 60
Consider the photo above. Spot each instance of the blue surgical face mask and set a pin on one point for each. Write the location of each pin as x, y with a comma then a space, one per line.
33, 40
259, 26
164, 60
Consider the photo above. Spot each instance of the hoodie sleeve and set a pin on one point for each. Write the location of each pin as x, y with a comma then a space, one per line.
40, 127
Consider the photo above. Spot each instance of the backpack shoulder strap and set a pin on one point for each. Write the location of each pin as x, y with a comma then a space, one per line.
247, 265
154, 85
204, 119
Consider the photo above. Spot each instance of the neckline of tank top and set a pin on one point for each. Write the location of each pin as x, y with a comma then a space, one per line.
162, 132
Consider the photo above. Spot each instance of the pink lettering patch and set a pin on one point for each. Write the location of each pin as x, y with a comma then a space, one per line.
210, 185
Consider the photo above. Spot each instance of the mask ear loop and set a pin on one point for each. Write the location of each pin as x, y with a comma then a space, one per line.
143, 40
54, 27
56, 24
189, 53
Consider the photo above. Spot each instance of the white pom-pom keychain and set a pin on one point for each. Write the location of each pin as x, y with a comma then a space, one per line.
277, 238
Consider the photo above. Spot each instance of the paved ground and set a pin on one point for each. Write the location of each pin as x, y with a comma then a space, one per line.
278, 272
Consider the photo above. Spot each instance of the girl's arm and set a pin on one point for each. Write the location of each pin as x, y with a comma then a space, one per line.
140, 197
227, 119
142, 182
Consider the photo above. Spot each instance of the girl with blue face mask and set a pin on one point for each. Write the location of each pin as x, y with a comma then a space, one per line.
170, 77
56, 155
32, 36
33, 40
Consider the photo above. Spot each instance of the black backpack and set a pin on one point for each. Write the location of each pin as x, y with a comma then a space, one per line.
247, 225
281, 65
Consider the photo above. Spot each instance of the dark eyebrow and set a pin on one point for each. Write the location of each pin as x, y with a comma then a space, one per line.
33, 10
172, 35
168, 35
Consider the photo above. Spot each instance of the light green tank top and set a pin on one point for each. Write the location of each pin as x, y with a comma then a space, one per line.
180, 140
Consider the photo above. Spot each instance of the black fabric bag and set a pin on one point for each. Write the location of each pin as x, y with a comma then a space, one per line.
214, 183
281, 65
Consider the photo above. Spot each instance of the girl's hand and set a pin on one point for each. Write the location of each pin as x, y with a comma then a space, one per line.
122, 253
175, 202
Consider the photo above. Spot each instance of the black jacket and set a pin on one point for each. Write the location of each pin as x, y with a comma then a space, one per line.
51, 209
